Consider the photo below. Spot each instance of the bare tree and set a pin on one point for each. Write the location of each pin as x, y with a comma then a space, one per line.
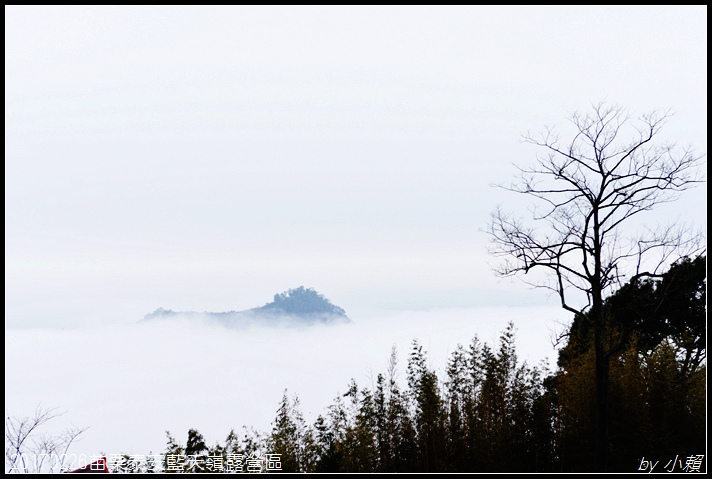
586, 195
23, 457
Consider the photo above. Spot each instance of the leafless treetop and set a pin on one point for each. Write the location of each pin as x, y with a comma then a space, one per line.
586, 188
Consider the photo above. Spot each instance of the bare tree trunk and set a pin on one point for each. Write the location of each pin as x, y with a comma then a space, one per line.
602, 368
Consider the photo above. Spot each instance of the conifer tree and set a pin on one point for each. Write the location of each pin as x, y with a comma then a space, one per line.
429, 416
288, 434
457, 396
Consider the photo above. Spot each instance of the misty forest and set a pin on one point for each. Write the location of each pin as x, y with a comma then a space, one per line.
489, 412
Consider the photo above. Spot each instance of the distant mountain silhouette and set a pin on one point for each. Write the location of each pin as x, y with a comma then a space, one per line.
296, 307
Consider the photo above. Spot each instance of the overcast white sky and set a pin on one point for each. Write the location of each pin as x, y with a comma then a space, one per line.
206, 158
198, 158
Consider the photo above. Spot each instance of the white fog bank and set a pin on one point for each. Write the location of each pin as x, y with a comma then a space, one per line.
130, 383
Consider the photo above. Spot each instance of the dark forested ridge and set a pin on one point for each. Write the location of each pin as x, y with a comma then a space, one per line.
298, 306
487, 412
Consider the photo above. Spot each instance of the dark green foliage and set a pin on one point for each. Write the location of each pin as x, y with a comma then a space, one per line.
671, 308
327, 458
288, 434
457, 397
429, 413
359, 455
657, 374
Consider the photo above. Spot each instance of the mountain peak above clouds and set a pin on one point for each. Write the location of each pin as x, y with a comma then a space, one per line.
296, 307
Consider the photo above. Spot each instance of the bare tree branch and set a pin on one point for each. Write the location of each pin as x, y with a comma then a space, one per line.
17, 433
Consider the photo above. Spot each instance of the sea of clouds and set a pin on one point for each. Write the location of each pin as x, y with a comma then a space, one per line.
132, 382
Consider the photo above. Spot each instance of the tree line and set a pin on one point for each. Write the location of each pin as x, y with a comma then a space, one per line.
488, 412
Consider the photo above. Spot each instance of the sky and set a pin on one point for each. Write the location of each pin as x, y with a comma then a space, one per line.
206, 158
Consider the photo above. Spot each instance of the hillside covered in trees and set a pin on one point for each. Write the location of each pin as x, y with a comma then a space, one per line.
296, 307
